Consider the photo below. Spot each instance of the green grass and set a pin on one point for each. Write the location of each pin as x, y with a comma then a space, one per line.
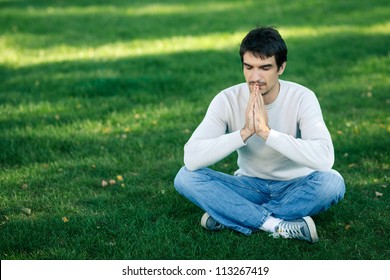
91, 90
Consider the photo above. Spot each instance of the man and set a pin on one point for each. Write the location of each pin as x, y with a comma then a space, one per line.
285, 151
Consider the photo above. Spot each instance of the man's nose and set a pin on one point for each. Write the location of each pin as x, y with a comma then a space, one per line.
256, 75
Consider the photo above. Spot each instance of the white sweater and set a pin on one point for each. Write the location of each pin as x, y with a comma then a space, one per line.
298, 144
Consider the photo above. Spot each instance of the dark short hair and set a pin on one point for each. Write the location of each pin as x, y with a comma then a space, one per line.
264, 42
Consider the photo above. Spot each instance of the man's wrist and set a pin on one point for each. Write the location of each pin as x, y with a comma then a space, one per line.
245, 134
264, 133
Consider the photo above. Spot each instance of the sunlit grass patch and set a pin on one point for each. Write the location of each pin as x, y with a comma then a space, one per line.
329, 30
123, 49
136, 48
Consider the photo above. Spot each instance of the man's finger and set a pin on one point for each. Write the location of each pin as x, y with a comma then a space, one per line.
256, 90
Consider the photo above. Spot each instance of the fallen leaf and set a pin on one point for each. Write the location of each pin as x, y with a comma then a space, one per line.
3, 220
378, 194
106, 130
104, 183
26, 211
347, 226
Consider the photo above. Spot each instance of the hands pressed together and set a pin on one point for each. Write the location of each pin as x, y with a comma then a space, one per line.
256, 117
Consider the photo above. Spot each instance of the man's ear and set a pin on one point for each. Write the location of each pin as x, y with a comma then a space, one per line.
281, 68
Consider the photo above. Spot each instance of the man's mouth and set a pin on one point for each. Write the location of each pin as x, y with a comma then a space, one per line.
257, 84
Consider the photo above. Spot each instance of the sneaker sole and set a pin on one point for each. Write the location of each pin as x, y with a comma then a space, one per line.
203, 221
312, 228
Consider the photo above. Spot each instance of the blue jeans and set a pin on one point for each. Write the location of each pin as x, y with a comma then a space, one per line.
244, 203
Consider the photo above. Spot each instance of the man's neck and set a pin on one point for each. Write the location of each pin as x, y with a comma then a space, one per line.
271, 96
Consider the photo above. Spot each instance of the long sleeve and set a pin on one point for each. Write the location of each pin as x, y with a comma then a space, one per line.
211, 141
316, 154
313, 148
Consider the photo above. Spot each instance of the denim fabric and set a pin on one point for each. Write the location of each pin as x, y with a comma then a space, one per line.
244, 203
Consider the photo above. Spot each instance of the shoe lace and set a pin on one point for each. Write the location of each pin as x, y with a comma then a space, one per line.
289, 230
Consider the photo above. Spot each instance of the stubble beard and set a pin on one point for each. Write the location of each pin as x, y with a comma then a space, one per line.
260, 84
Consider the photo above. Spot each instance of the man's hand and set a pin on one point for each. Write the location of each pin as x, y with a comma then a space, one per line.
256, 117
249, 128
261, 116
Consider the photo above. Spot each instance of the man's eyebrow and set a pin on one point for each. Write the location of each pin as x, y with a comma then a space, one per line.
261, 66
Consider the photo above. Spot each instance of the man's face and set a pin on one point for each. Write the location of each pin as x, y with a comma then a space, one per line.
264, 73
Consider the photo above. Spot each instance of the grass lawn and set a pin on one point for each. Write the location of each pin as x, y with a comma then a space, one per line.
93, 91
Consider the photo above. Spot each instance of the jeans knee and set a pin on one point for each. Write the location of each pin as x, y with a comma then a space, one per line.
186, 179
179, 180
335, 185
